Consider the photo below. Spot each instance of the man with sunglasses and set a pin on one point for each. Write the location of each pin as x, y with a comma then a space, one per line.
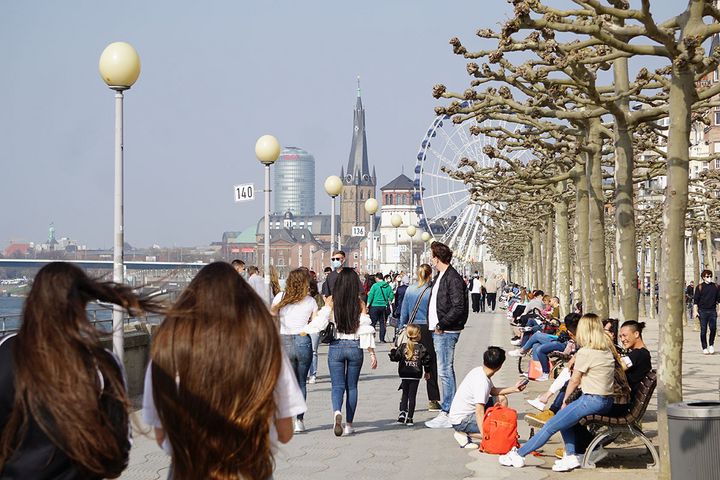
337, 260
705, 301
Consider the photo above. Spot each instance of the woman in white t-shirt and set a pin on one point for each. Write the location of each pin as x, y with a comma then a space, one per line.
295, 308
218, 384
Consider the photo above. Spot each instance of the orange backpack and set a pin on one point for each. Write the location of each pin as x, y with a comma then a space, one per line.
499, 430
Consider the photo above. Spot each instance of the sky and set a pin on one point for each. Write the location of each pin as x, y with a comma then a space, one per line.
215, 76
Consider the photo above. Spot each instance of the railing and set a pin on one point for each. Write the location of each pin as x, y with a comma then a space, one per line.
10, 323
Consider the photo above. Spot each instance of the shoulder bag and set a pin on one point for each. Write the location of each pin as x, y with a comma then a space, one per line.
401, 337
328, 333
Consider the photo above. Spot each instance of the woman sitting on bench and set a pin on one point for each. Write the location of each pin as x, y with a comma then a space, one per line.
594, 374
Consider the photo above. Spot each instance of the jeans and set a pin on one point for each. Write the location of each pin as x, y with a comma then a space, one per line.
298, 349
377, 315
565, 420
345, 360
315, 341
537, 338
469, 423
541, 353
491, 297
475, 297
445, 351
707, 318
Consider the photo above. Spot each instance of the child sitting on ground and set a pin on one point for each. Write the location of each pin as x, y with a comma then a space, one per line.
413, 358
477, 393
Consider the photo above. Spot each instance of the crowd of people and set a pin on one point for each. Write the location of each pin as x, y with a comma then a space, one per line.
221, 412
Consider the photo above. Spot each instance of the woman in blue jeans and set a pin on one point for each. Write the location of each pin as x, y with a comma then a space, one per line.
295, 308
594, 374
354, 333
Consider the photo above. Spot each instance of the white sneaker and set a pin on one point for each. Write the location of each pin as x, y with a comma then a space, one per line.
441, 421
464, 441
299, 426
516, 343
512, 459
537, 404
348, 430
705, 351
527, 329
543, 378
337, 427
312, 379
516, 353
568, 462
711, 350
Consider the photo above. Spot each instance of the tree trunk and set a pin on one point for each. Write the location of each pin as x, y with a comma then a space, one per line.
681, 95
537, 260
653, 274
642, 307
695, 255
549, 255
596, 222
581, 245
563, 263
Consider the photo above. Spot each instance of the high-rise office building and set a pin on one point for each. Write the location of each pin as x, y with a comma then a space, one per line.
294, 182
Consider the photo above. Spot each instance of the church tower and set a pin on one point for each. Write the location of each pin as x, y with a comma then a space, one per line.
358, 183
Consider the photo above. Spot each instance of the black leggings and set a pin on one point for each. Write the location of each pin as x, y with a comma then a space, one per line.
433, 389
409, 394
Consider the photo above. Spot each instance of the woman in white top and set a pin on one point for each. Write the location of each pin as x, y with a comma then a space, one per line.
295, 308
345, 354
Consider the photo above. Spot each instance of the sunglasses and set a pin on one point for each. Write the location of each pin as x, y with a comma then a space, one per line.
707, 276
339, 259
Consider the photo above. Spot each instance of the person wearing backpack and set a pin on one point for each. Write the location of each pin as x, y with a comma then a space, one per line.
475, 397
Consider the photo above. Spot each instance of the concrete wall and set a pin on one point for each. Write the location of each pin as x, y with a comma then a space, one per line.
137, 354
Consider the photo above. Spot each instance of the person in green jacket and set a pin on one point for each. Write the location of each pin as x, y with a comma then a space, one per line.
379, 297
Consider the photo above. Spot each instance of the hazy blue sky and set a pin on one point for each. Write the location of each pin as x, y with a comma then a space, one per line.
215, 76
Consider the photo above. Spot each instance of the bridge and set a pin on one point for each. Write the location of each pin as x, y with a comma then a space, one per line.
100, 264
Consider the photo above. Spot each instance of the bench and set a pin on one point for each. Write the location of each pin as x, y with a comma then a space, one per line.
630, 423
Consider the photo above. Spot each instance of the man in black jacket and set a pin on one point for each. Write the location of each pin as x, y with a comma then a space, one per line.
705, 302
447, 314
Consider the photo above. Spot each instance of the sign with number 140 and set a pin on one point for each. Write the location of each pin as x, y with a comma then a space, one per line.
245, 192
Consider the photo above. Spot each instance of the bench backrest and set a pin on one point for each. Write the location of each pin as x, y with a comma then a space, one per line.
643, 395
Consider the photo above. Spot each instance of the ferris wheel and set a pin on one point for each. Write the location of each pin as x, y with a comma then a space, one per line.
442, 203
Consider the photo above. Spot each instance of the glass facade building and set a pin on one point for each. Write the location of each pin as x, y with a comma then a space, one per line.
295, 182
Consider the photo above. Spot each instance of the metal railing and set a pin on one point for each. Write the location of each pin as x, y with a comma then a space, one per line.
10, 323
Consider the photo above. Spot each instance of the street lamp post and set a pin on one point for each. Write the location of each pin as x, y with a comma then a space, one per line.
267, 151
411, 231
425, 238
371, 207
333, 187
396, 221
120, 68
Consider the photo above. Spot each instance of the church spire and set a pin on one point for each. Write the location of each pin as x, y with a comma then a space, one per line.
358, 169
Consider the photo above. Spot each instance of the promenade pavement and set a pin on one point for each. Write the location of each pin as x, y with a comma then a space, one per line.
382, 450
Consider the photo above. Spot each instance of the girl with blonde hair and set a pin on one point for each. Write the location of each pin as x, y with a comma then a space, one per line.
593, 372
295, 308
412, 358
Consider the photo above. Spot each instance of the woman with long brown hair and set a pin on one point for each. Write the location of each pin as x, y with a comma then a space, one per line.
295, 308
63, 403
219, 390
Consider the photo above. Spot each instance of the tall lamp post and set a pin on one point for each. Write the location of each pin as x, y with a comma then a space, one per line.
396, 220
267, 150
333, 187
411, 231
120, 68
371, 207
425, 238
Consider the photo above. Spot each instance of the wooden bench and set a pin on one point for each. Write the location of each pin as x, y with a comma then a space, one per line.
630, 423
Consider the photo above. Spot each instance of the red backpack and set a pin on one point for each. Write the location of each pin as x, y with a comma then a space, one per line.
499, 430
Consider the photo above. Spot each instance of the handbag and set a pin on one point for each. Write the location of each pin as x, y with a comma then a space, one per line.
328, 333
387, 311
401, 337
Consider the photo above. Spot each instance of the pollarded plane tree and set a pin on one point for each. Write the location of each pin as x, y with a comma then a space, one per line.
678, 41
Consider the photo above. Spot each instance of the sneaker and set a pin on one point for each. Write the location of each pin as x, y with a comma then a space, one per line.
441, 421
705, 351
527, 329
348, 430
543, 378
516, 353
434, 406
299, 426
402, 417
337, 428
312, 380
516, 337
539, 419
409, 422
464, 440
567, 463
512, 459
536, 403
711, 350
516, 343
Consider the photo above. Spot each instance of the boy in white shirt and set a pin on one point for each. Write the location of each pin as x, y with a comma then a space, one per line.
477, 393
